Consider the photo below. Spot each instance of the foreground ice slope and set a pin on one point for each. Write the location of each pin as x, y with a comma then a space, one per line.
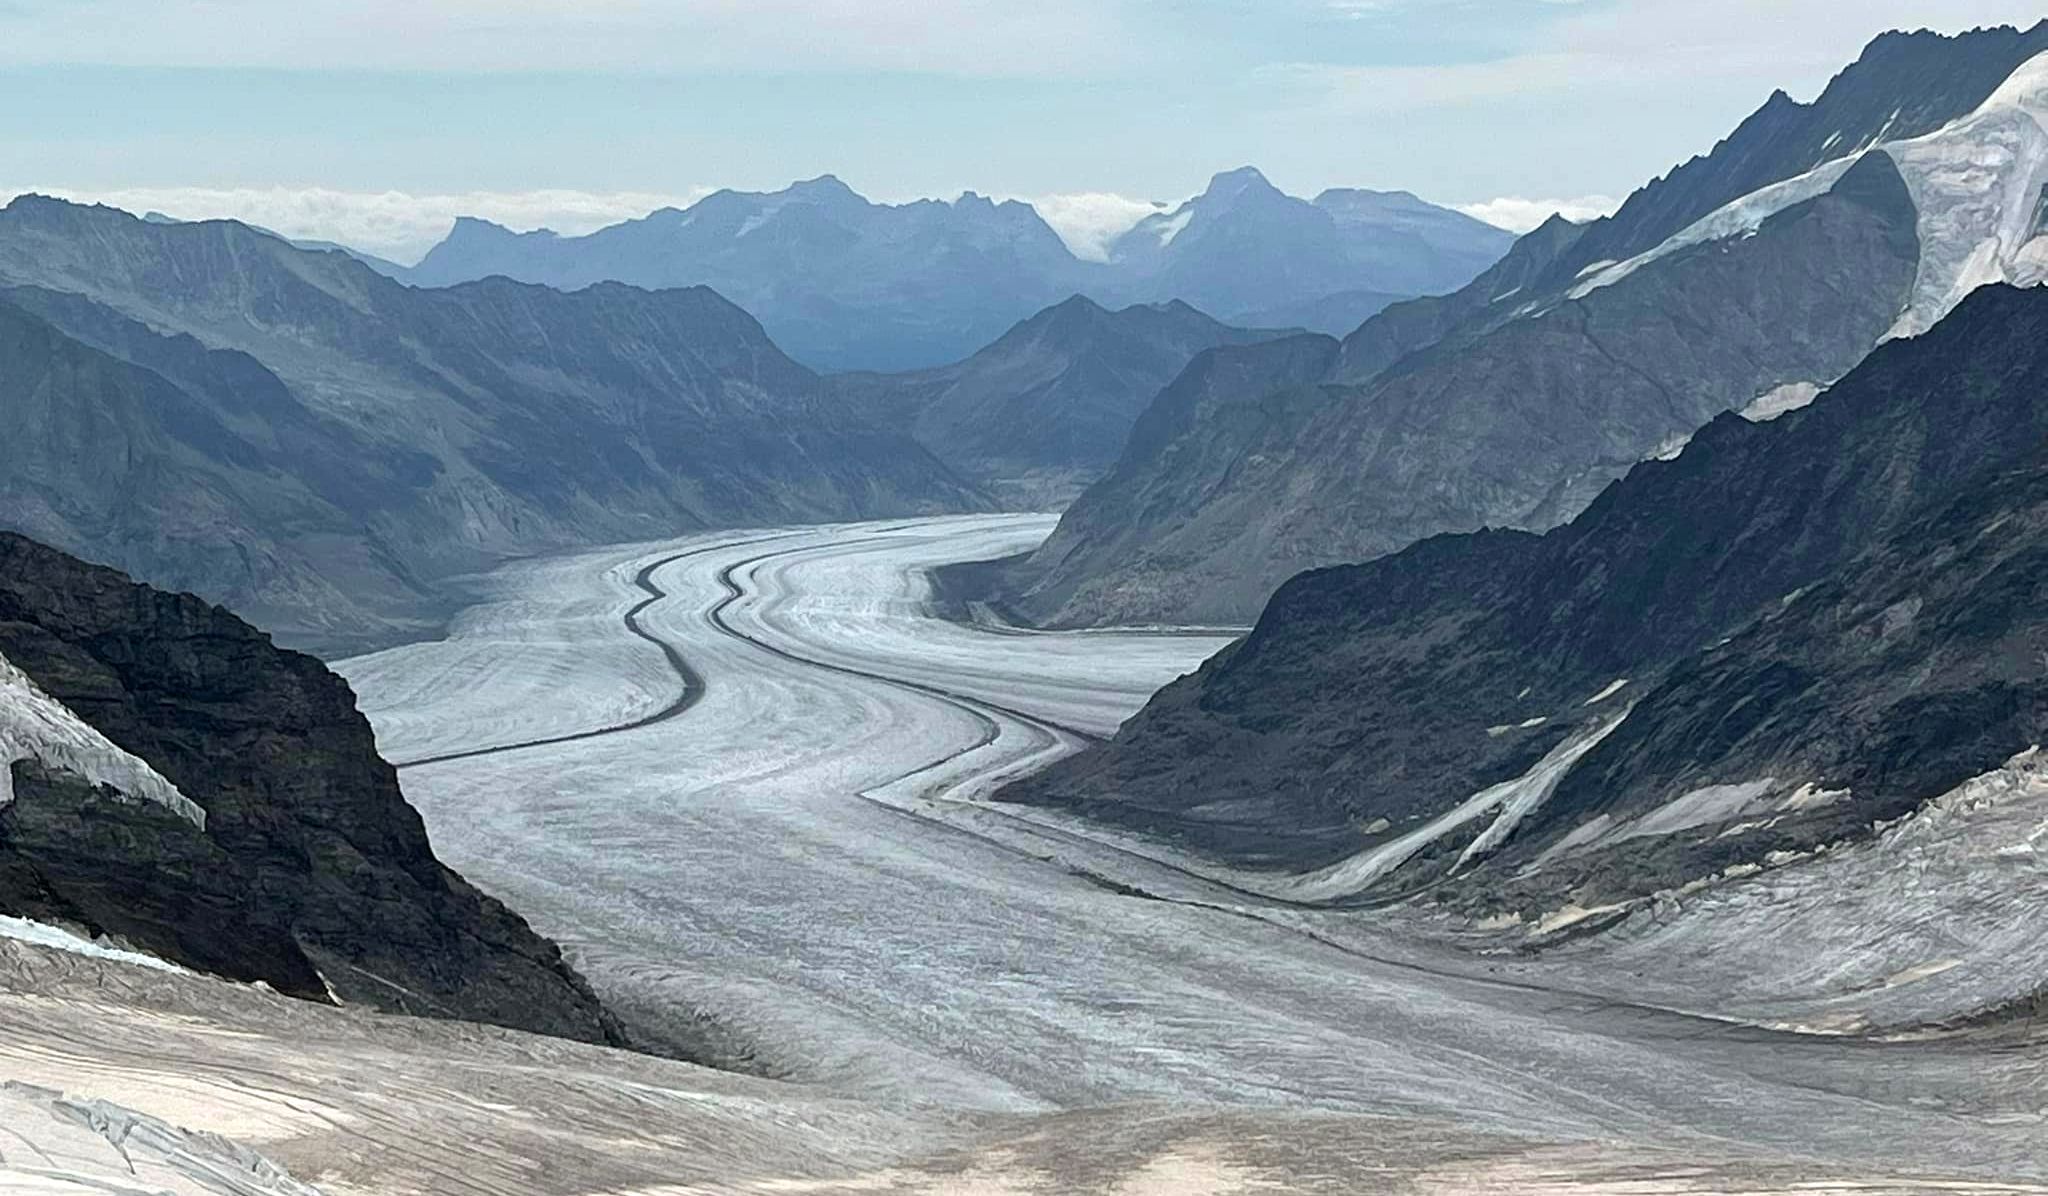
917, 949
118, 1081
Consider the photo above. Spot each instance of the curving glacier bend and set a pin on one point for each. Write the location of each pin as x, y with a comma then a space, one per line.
950, 996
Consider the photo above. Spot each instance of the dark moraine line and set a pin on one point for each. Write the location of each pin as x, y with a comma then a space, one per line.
979, 707
693, 681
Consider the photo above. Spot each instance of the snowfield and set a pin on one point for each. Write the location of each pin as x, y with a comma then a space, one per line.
786, 841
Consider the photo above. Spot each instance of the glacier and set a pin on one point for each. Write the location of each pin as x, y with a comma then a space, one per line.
949, 994
1976, 186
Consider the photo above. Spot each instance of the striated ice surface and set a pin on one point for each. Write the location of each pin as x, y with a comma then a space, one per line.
1934, 918
35, 726
957, 996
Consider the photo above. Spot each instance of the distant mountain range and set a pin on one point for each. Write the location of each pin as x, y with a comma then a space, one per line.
288, 431
842, 283
1790, 634
1752, 276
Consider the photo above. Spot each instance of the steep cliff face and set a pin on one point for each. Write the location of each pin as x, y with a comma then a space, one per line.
1792, 630
308, 869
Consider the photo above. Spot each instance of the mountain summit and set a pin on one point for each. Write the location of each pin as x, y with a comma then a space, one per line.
842, 283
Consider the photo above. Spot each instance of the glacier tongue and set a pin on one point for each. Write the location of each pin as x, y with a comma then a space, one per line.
35, 726
1977, 185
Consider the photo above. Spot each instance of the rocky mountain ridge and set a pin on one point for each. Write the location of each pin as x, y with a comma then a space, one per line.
1514, 401
1787, 633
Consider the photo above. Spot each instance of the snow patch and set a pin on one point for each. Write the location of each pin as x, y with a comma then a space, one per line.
1744, 215
1777, 401
1173, 225
1812, 797
37, 934
1523, 801
35, 726
1514, 799
1613, 687
1673, 445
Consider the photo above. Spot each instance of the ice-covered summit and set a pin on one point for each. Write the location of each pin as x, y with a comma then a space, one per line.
1976, 185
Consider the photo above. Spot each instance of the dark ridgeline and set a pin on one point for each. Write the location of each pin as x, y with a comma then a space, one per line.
1853, 596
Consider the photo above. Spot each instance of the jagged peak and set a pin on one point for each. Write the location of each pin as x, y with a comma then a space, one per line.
1244, 180
477, 228
825, 186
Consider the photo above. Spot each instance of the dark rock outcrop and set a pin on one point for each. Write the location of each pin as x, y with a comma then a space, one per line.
311, 873
1845, 601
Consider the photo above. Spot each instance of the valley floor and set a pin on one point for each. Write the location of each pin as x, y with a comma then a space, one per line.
782, 863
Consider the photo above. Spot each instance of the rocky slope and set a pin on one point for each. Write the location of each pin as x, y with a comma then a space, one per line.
847, 284
177, 783
288, 431
1789, 632
1761, 271
1046, 408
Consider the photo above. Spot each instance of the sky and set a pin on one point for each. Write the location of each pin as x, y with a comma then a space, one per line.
376, 122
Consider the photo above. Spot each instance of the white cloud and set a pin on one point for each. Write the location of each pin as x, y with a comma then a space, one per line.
1088, 221
403, 226
390, 224
1519, 215
970, 38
